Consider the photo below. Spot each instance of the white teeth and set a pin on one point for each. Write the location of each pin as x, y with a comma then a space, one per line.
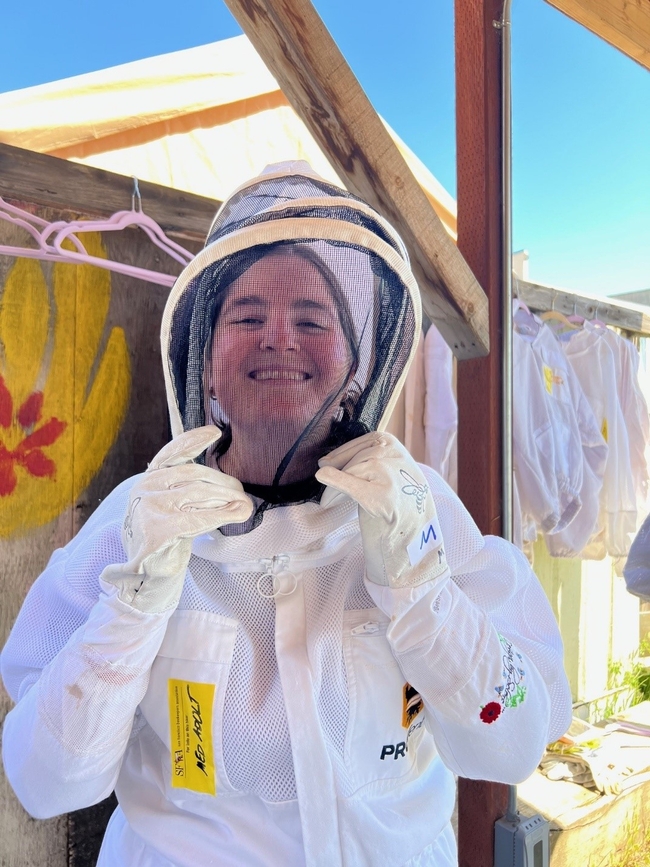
296, 375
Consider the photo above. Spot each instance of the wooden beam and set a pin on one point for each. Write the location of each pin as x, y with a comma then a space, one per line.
625, 24
44, 180
622, 314
313, 74
478, 157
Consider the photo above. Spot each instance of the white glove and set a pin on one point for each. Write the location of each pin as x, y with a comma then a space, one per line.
402, 542
174, 501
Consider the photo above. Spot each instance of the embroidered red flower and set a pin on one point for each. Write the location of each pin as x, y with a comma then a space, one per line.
29, 452
490, 712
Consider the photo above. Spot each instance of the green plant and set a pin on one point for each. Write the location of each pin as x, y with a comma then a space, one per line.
634, 675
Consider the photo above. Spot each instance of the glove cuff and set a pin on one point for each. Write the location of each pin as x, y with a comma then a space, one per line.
397, 601
150, 596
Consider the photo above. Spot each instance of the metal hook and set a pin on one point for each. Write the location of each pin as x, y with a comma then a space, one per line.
136, 195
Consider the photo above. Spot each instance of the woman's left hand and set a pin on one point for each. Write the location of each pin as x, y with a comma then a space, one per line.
402, 541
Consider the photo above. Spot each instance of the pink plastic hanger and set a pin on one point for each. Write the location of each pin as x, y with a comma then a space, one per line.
50, 237
34, 226
575, 317
121, 220
596, 321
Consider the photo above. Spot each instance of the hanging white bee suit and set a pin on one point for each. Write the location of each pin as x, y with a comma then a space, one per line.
286, 710
592, 358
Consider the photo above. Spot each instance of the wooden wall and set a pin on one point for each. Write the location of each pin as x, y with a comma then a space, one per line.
85, 342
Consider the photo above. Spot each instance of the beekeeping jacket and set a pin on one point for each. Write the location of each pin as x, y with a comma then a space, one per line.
288, 711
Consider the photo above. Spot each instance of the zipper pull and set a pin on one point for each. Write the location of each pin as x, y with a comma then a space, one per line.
367, 628
283, 582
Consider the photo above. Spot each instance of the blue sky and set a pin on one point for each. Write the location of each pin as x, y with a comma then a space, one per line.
581, 115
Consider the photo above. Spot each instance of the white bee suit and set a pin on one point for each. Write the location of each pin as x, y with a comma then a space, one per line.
287, 711
552, 425
98, 715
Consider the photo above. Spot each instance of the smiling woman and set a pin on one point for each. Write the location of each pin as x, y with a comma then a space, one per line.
285, 636
283, 354
290, 332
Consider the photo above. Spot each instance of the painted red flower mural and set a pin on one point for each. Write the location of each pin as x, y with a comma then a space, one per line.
29, 452
490, 712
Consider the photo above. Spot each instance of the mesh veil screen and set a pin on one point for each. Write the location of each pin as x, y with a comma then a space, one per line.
265, 194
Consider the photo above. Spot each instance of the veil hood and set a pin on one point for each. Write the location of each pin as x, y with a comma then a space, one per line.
367, 268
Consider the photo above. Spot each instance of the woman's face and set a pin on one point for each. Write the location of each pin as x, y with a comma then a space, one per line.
279, 352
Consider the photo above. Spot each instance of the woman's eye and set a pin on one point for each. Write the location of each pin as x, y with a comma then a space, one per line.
311, 325
248, 320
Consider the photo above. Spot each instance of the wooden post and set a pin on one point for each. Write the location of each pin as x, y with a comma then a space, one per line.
479, 153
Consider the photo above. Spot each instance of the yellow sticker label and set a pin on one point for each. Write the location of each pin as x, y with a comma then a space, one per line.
604, 430
548, 379
190, 730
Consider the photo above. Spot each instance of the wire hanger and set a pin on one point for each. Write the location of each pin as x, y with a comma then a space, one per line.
50, 237
34, 226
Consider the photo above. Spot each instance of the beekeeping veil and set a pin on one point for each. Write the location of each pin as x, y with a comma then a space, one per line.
292, 330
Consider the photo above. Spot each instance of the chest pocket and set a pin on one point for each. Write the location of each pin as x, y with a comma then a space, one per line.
185, 699
386, 722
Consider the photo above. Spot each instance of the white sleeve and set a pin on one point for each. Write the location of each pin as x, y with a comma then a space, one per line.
619, 492
534, 444
483, 651
560, 384
77, 663
571, 540
635, 412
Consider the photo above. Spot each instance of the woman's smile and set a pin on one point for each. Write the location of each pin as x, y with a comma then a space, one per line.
275, 374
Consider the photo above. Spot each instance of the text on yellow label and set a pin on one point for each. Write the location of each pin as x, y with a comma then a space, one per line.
190, 730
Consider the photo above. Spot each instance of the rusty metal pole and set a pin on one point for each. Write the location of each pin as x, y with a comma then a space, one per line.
479, 195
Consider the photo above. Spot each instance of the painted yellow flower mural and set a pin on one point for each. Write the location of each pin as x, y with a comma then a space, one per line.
64, 387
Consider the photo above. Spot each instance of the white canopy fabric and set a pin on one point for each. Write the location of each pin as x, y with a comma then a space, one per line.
202, 120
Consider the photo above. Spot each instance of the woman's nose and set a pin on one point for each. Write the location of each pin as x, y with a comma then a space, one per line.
279, 335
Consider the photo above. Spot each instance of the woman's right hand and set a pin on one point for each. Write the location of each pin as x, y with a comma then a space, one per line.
174, 501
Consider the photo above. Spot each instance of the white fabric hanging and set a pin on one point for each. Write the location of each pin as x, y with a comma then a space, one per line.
572, 539
635, 412
414, 405
547, 439
441, 408
593, 361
